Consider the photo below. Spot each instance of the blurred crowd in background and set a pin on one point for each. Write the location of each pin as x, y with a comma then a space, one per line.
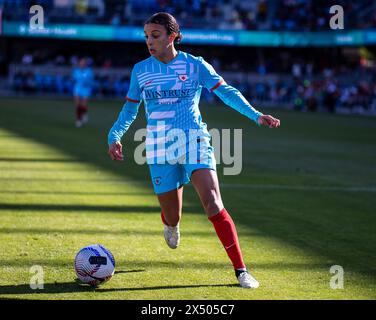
290, 80
289, 15
337, 79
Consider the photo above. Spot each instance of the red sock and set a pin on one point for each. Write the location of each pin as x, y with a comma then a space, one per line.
163, 219
80, 111
226, 231
84, 109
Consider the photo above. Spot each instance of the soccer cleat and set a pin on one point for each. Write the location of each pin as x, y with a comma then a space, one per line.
172, 236
85, 118
247, 281
78, 123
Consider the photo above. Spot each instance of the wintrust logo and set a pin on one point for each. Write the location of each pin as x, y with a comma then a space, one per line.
158, 94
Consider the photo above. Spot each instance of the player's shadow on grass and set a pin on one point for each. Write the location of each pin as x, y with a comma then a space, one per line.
189, 286
64, 287
56, 287
129, 271
75, 286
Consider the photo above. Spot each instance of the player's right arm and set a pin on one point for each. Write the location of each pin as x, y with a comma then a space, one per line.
126, 116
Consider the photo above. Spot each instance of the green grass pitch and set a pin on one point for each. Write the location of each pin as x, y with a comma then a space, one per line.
304, 201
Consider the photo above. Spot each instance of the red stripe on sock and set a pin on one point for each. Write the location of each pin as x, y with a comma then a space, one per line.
226, 231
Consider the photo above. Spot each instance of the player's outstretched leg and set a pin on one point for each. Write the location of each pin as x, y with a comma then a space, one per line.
206, 184
227, 234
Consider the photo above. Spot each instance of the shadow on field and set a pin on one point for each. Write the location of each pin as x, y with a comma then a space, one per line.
76, 286
56, 287
77, 208
143, 265
37, 160
168, 287
87, 231
52, 123
48, 288
75, 193
129, 271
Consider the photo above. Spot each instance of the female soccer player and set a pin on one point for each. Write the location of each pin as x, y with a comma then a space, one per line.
170, 82
83, 82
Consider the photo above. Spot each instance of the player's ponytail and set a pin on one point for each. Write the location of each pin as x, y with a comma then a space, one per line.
169, 22
179, 37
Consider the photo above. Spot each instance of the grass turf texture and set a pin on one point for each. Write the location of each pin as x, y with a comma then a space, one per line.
303, 202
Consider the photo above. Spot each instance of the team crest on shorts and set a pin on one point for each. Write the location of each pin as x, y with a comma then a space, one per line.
183, 77
157, 181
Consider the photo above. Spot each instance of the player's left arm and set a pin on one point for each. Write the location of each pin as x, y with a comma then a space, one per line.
234, 99
232, 96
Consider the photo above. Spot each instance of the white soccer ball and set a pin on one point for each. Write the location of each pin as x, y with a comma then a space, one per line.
94, 264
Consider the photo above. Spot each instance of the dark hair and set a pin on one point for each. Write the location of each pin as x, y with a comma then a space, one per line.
169, 22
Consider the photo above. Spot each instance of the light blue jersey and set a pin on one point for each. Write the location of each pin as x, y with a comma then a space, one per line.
83, 82
171, 93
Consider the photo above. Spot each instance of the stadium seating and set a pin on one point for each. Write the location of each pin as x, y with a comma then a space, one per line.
305, 79
286, 15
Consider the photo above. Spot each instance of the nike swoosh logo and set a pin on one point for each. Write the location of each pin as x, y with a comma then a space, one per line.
229, 246
148, 82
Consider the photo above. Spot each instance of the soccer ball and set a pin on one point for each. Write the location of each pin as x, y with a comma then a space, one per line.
94, 264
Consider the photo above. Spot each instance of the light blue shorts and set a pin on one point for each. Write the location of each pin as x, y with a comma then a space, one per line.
167, 177
82, 92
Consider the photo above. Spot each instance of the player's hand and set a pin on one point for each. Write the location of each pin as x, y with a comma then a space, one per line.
268, 120
116, 151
